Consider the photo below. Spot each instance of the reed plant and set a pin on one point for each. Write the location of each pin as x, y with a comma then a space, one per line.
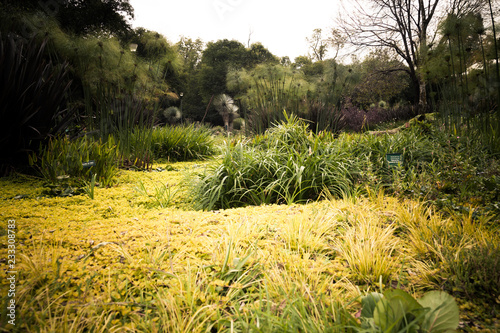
113, 113
33, 97
274, 89
468, 102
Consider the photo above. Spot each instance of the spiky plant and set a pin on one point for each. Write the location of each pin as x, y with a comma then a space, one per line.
171, 115
228, 109
33, 92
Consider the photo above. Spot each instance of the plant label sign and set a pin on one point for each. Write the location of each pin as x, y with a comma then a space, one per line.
88, 164
394, 160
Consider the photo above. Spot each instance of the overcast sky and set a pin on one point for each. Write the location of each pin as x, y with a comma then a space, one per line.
280, 25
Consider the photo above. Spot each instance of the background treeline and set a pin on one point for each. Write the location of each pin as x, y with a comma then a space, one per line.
69, 68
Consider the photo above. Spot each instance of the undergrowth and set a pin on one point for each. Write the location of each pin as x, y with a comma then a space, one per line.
289, 164
125, 261
353, 250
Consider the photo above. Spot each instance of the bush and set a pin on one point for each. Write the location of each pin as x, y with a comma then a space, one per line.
358, 120
63, 158
182, 143
474, 271
286, 165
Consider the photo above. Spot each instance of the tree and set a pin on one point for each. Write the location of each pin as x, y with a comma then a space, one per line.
190, 52
301, 61
84, 17
218, 57
317, 45
258, 54
320, 46
152, 46
228, 109
401, 25
379, 71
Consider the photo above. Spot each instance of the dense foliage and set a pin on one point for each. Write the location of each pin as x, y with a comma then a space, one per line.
33, 98
460, 71
134, 257
317, 224
289, 164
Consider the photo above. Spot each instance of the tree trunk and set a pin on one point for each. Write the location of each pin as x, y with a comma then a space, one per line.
421, 63
422, 95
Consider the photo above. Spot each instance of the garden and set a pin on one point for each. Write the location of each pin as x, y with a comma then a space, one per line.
158, 188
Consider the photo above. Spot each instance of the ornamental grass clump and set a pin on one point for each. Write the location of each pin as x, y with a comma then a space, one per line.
370, 249
78, 160
182, 143
288, 165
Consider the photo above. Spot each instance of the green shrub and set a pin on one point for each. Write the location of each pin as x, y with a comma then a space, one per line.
288, 164
474, 271
63, 158
182, 143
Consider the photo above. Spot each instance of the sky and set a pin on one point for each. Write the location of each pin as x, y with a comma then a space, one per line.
280, 25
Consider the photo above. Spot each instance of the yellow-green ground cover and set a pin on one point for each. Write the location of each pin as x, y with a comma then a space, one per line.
121, 262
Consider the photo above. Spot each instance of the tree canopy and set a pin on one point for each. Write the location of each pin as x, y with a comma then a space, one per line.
83, 17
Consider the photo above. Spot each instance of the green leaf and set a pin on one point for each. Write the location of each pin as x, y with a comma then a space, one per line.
369, 303
397, 308
443, 315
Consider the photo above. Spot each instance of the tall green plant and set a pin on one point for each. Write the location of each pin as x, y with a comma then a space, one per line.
273, 90
111, 112
33, 97
287, 165
182, 143
78, 159
468, 104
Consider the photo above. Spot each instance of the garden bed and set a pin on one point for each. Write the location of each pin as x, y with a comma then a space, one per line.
123, 261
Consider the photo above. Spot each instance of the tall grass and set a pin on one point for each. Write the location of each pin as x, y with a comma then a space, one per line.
461, 251
33, 97
111, 112
76, 161
182, 143
290, 164
287, 165
370, 250
63, 157
469, 104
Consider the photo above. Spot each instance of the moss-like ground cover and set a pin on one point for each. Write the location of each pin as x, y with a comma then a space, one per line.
129, 261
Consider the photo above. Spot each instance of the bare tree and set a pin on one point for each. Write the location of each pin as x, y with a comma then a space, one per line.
320, 46
317, 44
464, 7
402, 25
336, 41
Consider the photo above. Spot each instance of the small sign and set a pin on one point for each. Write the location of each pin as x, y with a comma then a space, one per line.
88, 164
394, 160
